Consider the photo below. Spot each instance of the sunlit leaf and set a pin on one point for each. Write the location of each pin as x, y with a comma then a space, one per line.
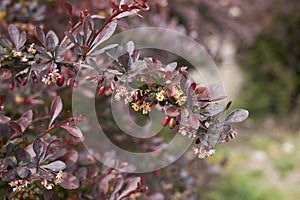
55, 109
69, 181
73, 130
237, 116
55, 166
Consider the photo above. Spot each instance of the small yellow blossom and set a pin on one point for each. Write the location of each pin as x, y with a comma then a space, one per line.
51, 77
47, 185
58, 178
18, 185
146, 107
31, 49
16, 54
135, 106
2, 14
160, 96
181, 100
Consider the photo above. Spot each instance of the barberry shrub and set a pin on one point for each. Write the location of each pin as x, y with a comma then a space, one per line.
37, 160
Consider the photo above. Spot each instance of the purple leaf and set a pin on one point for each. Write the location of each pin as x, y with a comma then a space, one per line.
118, 186
40, 35
20, 154
132, 184
237, 116
55, 109
55, 166
69, 181
53, 147
69, 9
22, 40
51, 41
73, 130
23, 172
106, 33
8, 175
104, 184
4, 119
14, 34
172, 111
70, 158
25, 120
193, 121
5, 74
93, 171
38, 146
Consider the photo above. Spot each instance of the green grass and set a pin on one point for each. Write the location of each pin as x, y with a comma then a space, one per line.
250, 177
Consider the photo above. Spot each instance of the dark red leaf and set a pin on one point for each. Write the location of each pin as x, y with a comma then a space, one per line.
70, 158
53, 147
69, 9
55, 166
20, 154
132, 184
69, 181
38, 146
237, 116
73, 130
9, 175
172, 111
193, 121
4, 119
23, 172
40, 35
51, 40
55, 109
14, 33
93, 171
25, 120
5, 73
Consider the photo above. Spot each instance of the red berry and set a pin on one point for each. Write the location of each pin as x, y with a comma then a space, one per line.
101, 89
100, 80
172, 123
193, 86
165, 120
24, 81
112, 86
11, 86
116, 78
60, 81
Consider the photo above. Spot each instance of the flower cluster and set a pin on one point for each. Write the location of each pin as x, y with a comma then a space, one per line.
18, 185
146, 83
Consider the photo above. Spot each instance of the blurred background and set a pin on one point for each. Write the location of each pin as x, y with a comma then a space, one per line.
256, 45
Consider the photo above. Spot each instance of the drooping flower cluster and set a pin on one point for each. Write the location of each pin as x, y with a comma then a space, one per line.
146, 83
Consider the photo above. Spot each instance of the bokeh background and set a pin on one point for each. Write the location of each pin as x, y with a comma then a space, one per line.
256, 45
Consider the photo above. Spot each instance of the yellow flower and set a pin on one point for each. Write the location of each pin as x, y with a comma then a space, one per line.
146, 107
181, 100
160, 96
135, 106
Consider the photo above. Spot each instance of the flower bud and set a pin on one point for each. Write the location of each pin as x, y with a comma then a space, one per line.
116, 78
165, 120
11, 86
24, 81
172, 123
112, 86
100, 80
101, 90
60, 81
